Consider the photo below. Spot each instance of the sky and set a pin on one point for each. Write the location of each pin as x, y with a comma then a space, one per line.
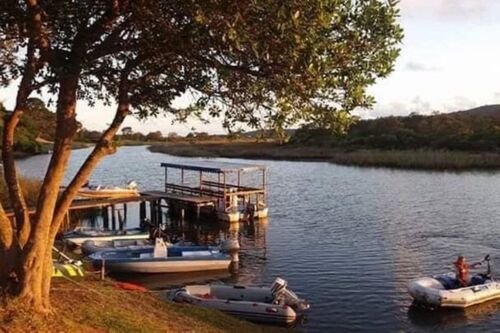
450, 61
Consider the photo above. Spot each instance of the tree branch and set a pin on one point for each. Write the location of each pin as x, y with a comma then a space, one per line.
6, 230
103, 148
10, 172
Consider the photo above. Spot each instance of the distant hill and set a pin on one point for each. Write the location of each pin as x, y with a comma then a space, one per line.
485, 110
476, 129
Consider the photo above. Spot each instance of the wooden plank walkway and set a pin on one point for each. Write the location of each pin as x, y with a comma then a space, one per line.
190, 199
97, 203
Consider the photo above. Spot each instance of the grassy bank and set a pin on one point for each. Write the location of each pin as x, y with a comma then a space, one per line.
30, 187
250, 150
404, 159
96, 306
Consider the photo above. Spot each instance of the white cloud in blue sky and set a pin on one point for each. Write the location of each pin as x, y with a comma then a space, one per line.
449, 61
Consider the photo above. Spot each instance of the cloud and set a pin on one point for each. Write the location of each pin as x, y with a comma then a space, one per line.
448, 9
417, 105
420, 67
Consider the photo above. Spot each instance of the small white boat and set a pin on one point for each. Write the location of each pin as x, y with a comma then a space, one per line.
271, 305
440, 290
78, 237
160, 259
101, 192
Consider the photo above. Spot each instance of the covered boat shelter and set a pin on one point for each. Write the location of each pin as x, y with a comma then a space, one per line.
235, 191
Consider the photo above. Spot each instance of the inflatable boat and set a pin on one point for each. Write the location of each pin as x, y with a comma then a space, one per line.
443, 291
78, 237
271, 305
161, 259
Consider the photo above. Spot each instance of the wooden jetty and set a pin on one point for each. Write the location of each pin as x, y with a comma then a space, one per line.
203, 187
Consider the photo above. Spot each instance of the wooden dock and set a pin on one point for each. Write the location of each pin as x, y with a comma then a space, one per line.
227, 200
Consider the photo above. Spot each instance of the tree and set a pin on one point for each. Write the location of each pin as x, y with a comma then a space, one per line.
127, 131
154, 136
267, 61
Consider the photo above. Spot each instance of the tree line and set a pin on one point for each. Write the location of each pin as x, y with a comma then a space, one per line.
477, 130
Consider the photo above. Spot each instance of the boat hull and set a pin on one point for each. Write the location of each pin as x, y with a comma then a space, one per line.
169, 265
430, 292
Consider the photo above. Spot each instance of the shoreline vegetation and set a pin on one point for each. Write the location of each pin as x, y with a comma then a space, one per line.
418, 159
91, 305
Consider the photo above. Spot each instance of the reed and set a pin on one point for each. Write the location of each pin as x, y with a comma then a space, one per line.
30, 188
403, 159
419, 159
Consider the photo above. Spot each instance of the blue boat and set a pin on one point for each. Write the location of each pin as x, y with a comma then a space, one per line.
160, 259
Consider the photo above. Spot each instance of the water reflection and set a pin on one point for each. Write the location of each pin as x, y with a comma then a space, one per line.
347, 239
451, 319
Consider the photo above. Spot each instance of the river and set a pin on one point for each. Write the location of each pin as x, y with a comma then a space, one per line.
348, 239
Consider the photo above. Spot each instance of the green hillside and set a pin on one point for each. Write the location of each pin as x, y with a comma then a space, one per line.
36, 126
471, 130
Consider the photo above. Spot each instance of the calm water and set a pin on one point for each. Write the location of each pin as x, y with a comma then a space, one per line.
348, 239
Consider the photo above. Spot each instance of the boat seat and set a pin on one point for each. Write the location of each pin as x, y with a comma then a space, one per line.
447, 281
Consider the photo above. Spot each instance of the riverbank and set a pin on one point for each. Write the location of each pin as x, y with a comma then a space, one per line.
402, 159
98, 306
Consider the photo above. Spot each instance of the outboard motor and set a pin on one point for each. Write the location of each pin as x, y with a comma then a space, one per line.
287, 297
278, 285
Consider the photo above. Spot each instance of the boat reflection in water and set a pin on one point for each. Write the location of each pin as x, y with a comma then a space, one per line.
448, 319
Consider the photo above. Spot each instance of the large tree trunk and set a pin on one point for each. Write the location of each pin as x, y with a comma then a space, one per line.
9, 256
36, 261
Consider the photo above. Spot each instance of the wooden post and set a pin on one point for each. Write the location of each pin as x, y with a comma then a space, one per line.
182, 176
125, 214
152, 212
239, 176
159, 212
142, 213
113, 217
201, 180
105, 217
224, 190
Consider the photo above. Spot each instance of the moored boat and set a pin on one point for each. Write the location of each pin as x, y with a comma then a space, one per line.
442, 291
95, 245
272, 305
160, 259
102, 192
77, 237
